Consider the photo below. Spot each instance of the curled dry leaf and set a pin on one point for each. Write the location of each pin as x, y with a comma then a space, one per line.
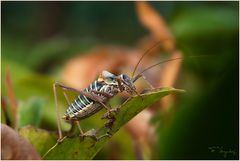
80, 71
141, 124
170, 72
148, 42
15, 147
159, 31
154, 22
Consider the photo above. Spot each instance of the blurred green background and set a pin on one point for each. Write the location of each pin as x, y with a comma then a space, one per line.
38, 37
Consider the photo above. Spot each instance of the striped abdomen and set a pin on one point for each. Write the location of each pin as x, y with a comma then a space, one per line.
83, 107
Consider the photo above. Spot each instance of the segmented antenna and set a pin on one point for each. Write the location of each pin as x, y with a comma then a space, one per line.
169, 60
144, 54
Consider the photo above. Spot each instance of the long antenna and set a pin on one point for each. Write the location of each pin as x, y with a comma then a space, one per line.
169, 60
144, 54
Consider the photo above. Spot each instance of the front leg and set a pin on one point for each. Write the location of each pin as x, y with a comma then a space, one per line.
110, 111
145, 79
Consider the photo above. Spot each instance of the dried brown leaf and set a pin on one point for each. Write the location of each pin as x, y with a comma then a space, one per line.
171, 70
141, 132
141, 125
15, 147
170, 73
154, 22
80, 71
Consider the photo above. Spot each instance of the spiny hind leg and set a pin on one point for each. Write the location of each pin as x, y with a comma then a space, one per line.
92, 95
63, 87
110, 111
99, 99
60, 138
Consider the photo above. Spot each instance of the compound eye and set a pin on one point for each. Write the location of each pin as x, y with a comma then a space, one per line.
124, 77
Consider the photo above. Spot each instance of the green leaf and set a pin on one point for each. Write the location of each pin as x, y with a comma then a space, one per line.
205, 22
73, 148
39, 138
30, 112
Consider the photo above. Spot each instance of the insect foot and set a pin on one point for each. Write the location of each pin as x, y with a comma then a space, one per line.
108, 134
91, 133
60, 140
109, 124
110, 113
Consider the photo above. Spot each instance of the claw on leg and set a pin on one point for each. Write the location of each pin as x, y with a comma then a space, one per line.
60, 140
105, 135
109, 124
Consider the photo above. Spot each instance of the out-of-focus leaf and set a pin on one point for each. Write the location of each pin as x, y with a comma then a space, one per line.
154, 22
205, 21
30, 112
40, 139
27, 84
72, 148
3, 118
15, 147
117, 144
6, 112
76, 70
24, 80
37, 54
18, 71
48, 50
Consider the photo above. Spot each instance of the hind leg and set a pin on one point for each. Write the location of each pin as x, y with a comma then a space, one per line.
63, 87
94, 95
99, 99
60, 138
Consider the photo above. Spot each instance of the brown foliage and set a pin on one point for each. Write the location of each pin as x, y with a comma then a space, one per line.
170, 73
154, 22
80, 71
15, 147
